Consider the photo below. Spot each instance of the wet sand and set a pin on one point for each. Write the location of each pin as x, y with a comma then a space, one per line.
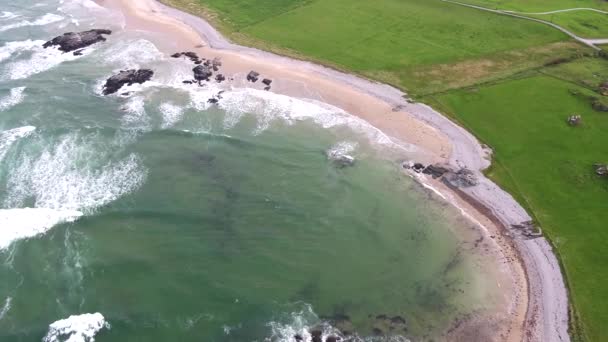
535, 300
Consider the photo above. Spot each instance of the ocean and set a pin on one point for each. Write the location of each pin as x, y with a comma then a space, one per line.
154, 215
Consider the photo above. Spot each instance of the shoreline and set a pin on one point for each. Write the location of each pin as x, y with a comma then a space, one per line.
541, 306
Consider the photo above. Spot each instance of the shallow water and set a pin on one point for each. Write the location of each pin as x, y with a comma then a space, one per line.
178, 220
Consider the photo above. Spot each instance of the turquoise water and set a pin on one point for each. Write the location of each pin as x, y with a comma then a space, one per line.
176, 220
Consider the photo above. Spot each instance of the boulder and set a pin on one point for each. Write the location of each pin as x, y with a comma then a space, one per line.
574, 120
317, 335
298, 337
187, 82
267, 88
202, 72
340, 158
213, 100
78, 52
267, 81
72, 41
127, 77
176, 55
599, 105
252, 76
220, 77
332, 339
601, 169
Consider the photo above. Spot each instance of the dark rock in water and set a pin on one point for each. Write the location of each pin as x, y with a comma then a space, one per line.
266, 81
187, 82
267, 88
198, 62
418, 167
128, 93
176, 55
213, 100
316, 335
298, 337
435, 171
220, 78
252, 76
127, 77
332, 339
202, 72
77, 40
78, 52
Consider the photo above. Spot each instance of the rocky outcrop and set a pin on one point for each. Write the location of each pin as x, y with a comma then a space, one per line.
73, 41
252, 76
128, 77
435, 171
202, 72
462, 178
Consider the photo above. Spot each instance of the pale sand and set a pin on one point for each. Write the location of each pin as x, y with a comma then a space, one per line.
536, 306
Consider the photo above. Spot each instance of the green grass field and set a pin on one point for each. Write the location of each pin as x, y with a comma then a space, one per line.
548, 164
585, 24
489, 72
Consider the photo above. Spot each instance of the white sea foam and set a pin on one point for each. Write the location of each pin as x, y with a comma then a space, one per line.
46, 19
17, 224
15, 97
171, 114
5, 15
6, 307
131, 54
63, 177
14, 47
342, 152
135, 113
7, 138
41, 60
76, 328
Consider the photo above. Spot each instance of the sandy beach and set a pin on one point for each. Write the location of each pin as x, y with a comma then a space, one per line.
536, 305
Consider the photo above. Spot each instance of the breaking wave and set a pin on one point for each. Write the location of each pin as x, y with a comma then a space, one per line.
41, 59
46, 19
10, 48
76, 328
7, 138
25, 223
305, 324
14, 98
63, 178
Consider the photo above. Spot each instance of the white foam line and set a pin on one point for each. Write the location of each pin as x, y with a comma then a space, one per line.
46, 19
11, 48
14, 98
6, 307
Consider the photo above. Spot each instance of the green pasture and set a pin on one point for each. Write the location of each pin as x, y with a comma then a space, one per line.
547, 165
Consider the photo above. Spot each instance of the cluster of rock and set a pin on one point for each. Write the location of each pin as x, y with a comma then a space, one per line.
461, 178
76, 41
253, 77
128, 77
601, 169
574, 120
527, 229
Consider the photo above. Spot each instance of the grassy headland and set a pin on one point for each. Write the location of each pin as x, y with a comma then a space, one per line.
510, 81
